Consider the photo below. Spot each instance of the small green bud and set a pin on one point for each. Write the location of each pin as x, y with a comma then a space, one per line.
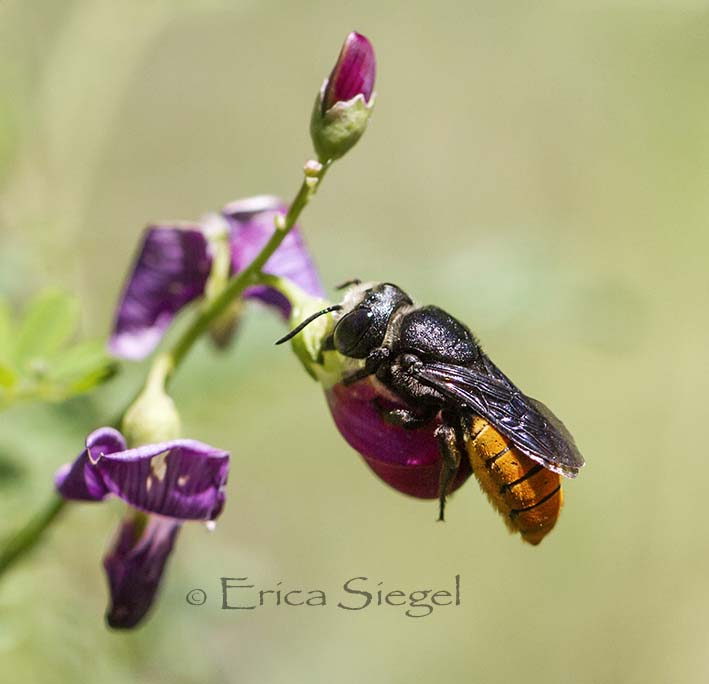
153, 416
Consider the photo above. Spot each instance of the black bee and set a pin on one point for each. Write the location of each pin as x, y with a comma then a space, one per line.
434, 364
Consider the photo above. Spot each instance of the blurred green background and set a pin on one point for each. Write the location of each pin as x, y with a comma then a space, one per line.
538, 169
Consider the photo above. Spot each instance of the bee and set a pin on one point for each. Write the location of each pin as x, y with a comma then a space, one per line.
517, 448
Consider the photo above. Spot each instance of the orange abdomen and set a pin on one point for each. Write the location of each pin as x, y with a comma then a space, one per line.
527, 495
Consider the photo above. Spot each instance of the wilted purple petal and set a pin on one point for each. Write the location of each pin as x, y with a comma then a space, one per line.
252, 222
80, 480
135, 567
353, 73
407, 460
182, 479
170, 271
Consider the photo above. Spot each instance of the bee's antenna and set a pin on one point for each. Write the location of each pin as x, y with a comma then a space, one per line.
347, 283
307, 321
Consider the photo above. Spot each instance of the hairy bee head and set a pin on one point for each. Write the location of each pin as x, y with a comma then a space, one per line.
362, 318
366, 311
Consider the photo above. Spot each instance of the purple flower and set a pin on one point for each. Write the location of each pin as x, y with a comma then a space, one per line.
407, 460
135, 566
172, 482
174, 262
353, 73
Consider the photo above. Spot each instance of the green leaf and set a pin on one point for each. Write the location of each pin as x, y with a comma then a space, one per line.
51, 319
92, 379
81, 367
79, 359
40, 365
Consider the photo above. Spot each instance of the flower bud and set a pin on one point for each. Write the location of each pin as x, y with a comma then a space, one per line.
407, 460
344, 103
153, 416
353, 74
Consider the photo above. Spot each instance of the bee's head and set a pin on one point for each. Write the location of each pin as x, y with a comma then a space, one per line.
366, 311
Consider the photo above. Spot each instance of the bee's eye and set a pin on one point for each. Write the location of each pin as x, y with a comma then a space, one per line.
352, 328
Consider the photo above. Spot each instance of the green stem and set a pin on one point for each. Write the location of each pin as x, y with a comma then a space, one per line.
249, 276
28, 537
166, 364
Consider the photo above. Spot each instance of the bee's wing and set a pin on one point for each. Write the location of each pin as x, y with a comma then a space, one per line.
528, 423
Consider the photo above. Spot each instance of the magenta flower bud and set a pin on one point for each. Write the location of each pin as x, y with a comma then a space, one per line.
407, 460
344, 103
353, 74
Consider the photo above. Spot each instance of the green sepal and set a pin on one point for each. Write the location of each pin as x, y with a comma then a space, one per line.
337, 130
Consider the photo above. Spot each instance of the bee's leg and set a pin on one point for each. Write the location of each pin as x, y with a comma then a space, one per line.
371, 365
406, 418
450, 455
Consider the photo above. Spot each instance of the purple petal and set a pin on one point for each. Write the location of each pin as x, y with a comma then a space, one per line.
252, 222
182, 479
170, 271
407, 460
135, 566
353, 73
79, 480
